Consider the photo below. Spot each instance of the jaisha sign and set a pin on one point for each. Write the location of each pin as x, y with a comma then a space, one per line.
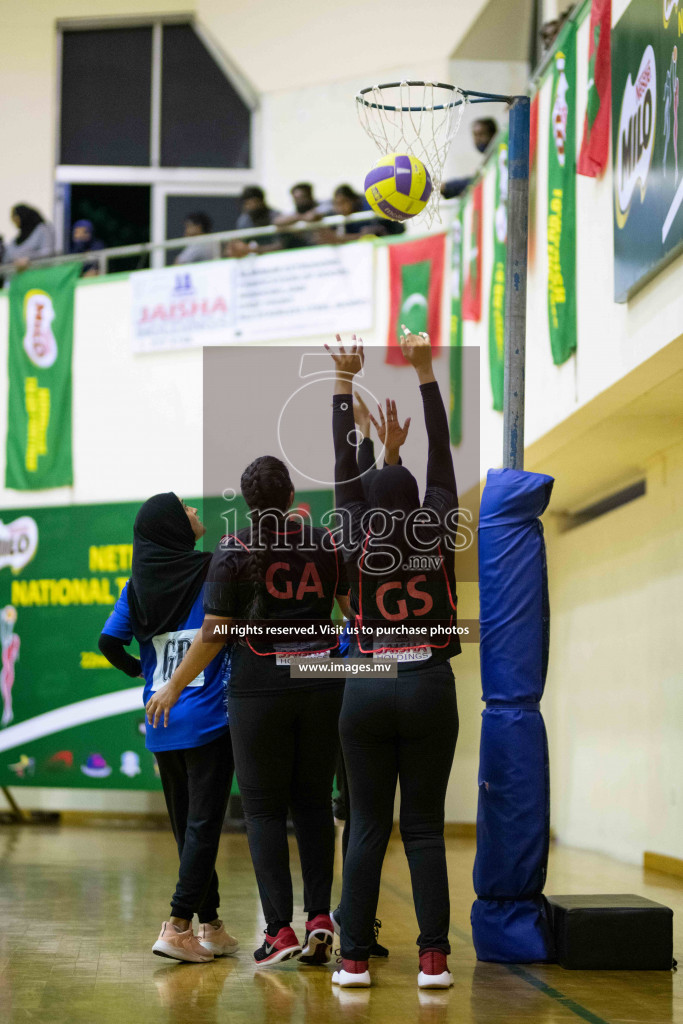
181, 306
18, 542
636, 137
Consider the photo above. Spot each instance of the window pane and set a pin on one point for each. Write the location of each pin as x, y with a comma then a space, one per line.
119, 214
204, 122
106, 96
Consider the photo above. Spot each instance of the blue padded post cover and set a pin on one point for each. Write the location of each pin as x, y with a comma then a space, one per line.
509, 919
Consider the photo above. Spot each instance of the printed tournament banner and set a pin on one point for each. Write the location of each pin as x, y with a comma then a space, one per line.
455, 350
471, 297
41, 314
562, 200
67, 717
416, 272
497, 295
648, 170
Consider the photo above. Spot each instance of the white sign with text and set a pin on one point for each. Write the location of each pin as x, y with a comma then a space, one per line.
293, 294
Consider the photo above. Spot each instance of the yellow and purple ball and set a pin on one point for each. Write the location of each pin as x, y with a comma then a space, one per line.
398, 187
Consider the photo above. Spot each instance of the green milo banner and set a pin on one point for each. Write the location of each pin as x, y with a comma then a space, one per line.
497, 295
41, 306
648, 175
67, 718
562, 199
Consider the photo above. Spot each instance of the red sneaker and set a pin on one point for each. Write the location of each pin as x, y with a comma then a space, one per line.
352, 974
277, 948
434, 971
318, 941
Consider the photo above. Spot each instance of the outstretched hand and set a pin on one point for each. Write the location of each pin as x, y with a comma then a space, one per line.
417, 349
389, 430
347, 364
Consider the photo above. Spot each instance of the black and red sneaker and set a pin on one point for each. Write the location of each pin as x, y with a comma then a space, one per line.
434, 971
319, 938
275, 949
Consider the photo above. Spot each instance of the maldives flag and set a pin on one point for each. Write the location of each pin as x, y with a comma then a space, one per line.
471, 293
595, 144
415, 288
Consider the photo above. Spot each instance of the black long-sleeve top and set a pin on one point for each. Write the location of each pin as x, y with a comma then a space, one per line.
441, 495
116, 654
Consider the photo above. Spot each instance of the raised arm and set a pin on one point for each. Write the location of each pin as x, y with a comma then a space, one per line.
348, 485
417, 350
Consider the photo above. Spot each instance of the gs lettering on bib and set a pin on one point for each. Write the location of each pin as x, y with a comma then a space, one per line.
170, 649
397, 609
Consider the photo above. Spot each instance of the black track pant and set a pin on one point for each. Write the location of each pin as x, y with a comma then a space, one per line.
196, 785
399, 730
285, 750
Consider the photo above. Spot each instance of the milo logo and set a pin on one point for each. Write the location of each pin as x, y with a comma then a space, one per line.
18, 542
40, 343
636, 137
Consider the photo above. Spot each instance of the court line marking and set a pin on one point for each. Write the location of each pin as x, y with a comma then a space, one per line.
555, 994
519, 972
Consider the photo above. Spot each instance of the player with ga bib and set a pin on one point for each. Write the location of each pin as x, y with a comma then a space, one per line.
399, 555
161, 607
277, 581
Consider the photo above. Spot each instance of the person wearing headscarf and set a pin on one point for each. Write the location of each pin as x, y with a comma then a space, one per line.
161, 606
35, 240
400, 559
275, 583
83, 240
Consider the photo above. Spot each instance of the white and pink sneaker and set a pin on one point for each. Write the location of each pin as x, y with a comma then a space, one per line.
217, 940
180, 945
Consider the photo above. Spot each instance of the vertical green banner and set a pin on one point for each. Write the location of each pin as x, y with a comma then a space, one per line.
497, 296
455, 351
562, 200
41, 314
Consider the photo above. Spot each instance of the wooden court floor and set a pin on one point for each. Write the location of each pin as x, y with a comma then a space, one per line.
81, 907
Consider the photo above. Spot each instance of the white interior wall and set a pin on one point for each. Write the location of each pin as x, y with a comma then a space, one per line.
614, 700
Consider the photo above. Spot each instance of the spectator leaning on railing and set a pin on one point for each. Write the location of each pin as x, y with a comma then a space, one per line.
35, 240
255, 214
198, 224
306, 208
483, 131
83, 240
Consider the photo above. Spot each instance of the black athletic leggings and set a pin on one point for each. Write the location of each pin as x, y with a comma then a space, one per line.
397, 730
196, 784
285, 749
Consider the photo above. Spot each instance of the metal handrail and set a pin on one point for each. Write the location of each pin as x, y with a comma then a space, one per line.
141, 248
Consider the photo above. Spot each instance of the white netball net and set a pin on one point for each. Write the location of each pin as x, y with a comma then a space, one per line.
420, 118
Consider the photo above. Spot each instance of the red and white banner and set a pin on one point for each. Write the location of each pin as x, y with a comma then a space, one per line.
472, 256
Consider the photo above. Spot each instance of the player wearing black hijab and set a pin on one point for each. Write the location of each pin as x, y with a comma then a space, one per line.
161, 607
403, 729
277, 581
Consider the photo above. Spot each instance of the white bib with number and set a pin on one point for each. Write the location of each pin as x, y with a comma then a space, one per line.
170, 649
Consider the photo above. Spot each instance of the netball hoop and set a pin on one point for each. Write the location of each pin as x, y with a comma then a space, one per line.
420, 118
